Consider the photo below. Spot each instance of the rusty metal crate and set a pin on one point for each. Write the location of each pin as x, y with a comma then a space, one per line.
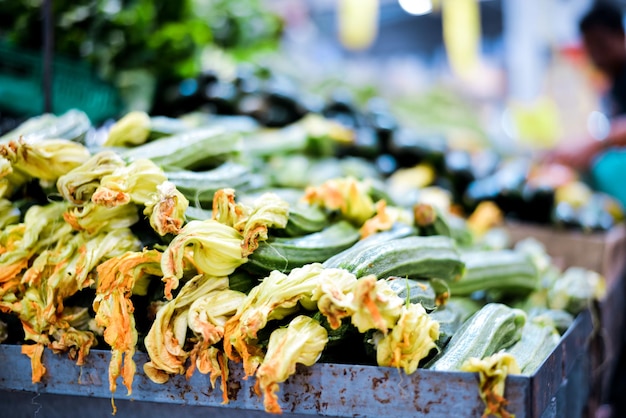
559, 389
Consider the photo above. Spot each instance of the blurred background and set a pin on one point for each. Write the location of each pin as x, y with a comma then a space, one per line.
514, 71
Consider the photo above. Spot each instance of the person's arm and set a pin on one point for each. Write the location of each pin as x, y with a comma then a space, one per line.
580, 156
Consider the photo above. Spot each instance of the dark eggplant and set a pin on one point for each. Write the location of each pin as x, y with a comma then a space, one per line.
411, 148
458, 168
538, 203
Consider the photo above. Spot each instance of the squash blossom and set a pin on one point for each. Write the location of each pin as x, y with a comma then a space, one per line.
492, 372
347, 195
132, 129
375, 305
136, 183
207, 317
43, 226
93, 218
301, 342
384, 219
409, 341
9, 214
118, 278
252, 222
46, 159
213, 249
78, 185
274, 298
166, 209
333, 295
166, 338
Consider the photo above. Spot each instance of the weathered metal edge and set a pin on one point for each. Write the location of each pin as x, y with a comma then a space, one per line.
323, 389
555, 369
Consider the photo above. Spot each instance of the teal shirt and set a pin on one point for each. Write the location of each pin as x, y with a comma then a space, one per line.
608, 174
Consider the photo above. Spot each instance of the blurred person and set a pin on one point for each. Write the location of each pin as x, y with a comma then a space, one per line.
604, 160
604, 38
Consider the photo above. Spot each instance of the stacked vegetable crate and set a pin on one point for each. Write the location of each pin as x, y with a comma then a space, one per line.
602, 252
559, 388
327, 388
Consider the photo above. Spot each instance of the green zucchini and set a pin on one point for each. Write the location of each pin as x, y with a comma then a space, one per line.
272, 142
491, 329
450, 320
285, 254
200, 186
505, 271
194, 213
459, 231
414, 291
190, 150
466, 307
305, 219
72, 125
242, 281
162, 126
534, 347
344, 258
413, 257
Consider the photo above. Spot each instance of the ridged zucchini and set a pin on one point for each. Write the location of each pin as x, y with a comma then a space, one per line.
504, 270
200, 186
72, 125
466, 307
344, 258
414, 291
493, 328
190, 150
305, 219
285, 254
534, 347
413, 257
242, 281
450, 320
194, 213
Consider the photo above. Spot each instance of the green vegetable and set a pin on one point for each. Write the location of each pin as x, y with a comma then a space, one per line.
193, 149
466, 307
414, 291
285, 254
197, 214
344, 258
450, 320
504, 270
414, 257
242, 281
200, 186
305, 219
488, 331
535, 346
72, 125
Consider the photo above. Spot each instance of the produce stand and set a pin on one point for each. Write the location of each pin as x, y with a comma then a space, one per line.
603, 252
559, 388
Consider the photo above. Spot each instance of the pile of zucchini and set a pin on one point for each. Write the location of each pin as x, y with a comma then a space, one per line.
204, 247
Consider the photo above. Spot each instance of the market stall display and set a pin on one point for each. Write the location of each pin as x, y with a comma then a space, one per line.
159, 248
